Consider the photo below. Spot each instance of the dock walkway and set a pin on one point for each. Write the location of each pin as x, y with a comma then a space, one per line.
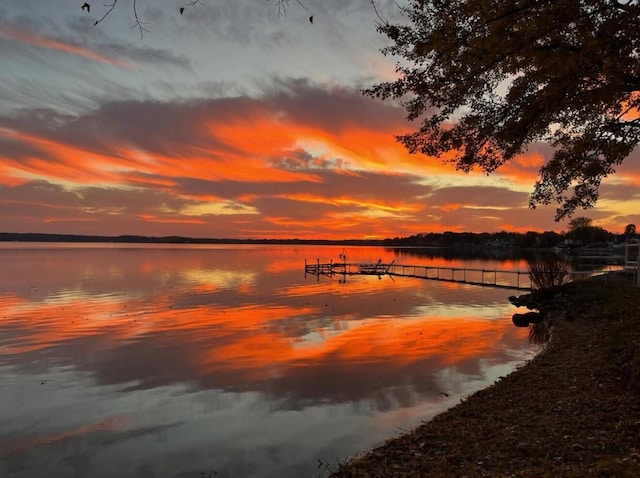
502, 278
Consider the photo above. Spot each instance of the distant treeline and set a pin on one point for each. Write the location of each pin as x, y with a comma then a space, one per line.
530, 239
471, 239
37, 237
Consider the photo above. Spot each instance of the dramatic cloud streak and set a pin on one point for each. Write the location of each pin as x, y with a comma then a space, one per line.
57, 45
242, 132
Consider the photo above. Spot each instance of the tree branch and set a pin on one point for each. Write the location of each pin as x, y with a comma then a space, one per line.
139, 23
283, 7
375, 9
112, 6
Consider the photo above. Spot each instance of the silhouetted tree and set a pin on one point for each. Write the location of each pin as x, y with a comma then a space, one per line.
487, 78
581, 229
630, 230
550, 239
580, 223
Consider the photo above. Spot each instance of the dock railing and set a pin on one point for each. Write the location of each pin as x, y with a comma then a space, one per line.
631, 252
504, 278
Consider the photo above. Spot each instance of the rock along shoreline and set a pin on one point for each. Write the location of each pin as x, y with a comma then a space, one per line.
573, 410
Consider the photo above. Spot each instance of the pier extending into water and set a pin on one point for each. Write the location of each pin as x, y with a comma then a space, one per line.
503, 278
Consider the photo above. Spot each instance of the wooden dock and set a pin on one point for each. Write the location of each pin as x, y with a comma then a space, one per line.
502, 278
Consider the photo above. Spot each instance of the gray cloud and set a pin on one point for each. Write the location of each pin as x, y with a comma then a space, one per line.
179, 127
40, 198
332, 108
620, 192
480, 196
331, 184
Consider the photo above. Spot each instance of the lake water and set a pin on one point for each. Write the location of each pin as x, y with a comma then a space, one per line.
226, 361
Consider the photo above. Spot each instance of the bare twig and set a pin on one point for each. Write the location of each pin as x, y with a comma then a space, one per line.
193, 3
375, 9
139, 23
302, 5
283, 7
111, 7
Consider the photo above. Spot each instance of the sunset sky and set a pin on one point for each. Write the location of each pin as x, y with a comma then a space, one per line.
230, 121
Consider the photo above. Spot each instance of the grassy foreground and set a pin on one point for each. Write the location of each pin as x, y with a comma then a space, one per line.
574, 410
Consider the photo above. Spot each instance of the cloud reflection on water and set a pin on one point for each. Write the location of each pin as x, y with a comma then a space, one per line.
223, 324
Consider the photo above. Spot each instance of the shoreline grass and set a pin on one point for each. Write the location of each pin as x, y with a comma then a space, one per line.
573, 410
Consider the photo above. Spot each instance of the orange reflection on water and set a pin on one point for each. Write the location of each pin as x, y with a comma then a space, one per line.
451, 340
253, 338
209, 315
42, 325
112, 424
214, 343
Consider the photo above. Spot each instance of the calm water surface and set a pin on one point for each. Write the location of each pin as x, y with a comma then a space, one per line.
179, 361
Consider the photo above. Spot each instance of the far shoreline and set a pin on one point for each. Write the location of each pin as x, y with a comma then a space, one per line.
456, 241
138, 239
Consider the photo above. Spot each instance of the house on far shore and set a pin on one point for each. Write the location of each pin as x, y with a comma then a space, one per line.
500, 242
631, 253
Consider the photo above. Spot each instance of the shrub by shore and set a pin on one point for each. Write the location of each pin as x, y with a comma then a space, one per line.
574, 410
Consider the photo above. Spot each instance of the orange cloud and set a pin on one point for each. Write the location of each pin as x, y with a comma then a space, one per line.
524, 168
165, 220
344, 200
270, 165
57, 45
58, 161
